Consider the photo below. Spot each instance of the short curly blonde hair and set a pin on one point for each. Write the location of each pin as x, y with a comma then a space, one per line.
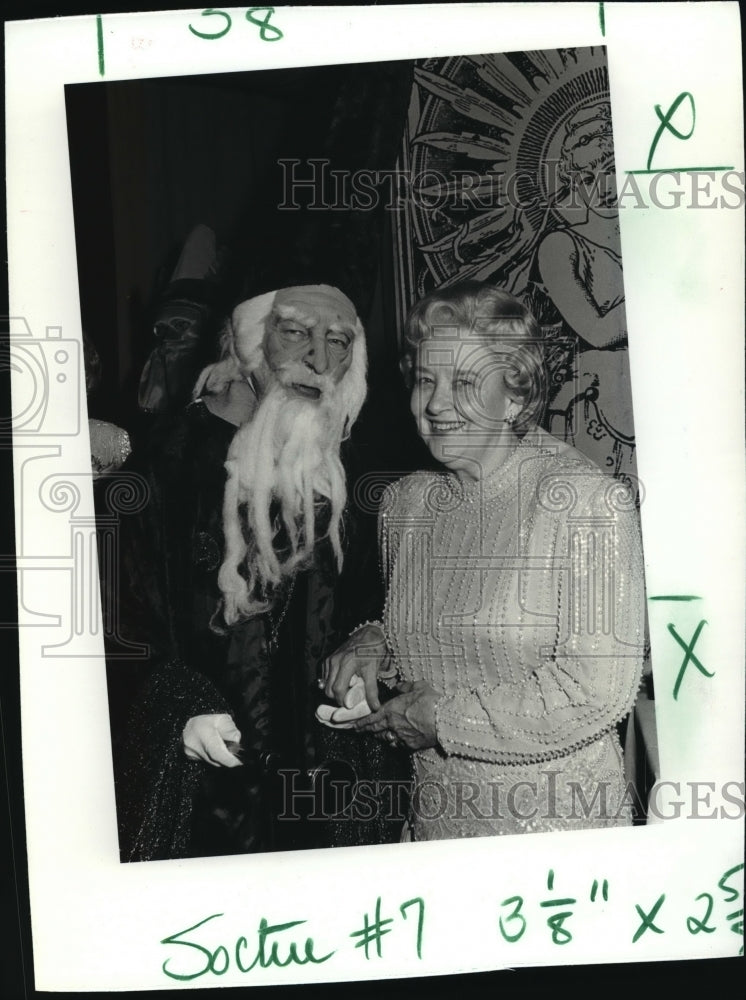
502, 322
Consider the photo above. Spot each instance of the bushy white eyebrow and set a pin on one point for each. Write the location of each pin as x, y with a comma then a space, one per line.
292, 312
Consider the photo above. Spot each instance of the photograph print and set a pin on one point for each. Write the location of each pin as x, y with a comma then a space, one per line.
363, 454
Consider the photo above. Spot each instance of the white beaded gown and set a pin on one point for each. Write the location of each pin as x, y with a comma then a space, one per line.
520, 599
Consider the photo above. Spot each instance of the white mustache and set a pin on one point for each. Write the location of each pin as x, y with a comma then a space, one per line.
294, 372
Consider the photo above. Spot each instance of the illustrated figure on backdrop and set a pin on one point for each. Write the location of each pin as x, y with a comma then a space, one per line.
540, 220
577, 288
229, 575
514, 612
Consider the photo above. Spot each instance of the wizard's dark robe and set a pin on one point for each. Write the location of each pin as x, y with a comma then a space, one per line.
263, 671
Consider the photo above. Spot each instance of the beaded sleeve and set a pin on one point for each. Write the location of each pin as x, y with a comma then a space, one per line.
584, 576
386, 556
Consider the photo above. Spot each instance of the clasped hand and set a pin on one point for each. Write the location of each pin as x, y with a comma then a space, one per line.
407, 719
364, 654
409, 716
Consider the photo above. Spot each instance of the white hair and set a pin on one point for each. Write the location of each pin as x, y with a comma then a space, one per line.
245, 327
286, 457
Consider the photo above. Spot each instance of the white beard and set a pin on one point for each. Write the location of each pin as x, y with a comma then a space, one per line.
288, 453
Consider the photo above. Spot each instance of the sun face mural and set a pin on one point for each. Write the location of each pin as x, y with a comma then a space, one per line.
512, 170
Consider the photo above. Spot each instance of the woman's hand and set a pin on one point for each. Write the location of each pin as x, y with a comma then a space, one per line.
406, 720
365, 655
205, 737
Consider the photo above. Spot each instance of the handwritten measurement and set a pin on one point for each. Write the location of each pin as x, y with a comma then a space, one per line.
514, 924
513, 921
283, 945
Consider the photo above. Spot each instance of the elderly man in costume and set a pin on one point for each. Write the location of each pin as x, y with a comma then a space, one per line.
228, 576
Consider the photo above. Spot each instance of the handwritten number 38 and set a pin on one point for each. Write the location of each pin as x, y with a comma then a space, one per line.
267, 32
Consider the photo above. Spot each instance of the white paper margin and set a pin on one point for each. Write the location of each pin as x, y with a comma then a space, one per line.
98, 924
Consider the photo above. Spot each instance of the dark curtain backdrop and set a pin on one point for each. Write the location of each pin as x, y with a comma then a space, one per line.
150, 159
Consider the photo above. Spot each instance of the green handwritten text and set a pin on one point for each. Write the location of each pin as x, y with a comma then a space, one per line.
267, 32
217, 961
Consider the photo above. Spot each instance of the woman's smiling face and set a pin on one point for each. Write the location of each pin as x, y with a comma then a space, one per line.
460, 402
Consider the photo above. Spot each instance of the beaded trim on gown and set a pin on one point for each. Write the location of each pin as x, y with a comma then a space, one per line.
519, 598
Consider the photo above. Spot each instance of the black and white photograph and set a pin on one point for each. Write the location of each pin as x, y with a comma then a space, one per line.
366, 401
359, 383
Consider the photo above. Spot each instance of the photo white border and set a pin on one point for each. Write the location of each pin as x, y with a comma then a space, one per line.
98, 924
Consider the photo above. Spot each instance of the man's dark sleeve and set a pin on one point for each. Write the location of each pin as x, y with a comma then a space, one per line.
153, 696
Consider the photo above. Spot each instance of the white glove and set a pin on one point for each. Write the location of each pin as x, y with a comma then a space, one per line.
205, 738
